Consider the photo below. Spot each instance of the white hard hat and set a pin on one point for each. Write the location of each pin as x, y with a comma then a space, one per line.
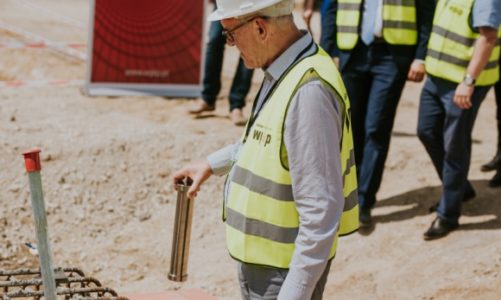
236, 8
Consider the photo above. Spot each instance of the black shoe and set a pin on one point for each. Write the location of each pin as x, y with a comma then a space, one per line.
365, 217
433, 208
468, 195
496, 180
438, 229
493, 164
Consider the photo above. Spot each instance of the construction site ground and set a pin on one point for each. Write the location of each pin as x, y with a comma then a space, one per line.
107, 161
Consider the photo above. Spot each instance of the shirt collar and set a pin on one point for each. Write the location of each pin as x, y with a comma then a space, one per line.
287, 58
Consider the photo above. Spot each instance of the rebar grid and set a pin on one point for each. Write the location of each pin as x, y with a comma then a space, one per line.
71, 284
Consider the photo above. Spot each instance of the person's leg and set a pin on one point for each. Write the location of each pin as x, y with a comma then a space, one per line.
496, 180
240, 86
458, 125
262, 283
257, 282
430, 131
497, 92
495, 162
214, 54
388, 82
357, 80
430, 123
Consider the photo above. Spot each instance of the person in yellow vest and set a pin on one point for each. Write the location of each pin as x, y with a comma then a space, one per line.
382, 44
462, 64
291, 188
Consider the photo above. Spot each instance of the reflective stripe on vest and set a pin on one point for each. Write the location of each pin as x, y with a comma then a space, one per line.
347, 22
399, 22
451, 44
262, 221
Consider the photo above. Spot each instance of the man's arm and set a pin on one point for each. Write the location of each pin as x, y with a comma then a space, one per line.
424, 17
308, 13
486, 17
312, 138
222, 160
334, 16
332, 13
218, 163
481, 53
425, 9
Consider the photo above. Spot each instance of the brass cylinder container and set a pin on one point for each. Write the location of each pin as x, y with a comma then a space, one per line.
181, 235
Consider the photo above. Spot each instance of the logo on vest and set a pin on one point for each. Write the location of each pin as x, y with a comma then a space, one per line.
456, 9
261, 137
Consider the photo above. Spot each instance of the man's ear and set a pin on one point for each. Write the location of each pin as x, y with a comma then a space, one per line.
262, 28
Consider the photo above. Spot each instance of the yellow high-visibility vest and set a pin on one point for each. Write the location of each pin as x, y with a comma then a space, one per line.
451, 44
262, 221
399, 22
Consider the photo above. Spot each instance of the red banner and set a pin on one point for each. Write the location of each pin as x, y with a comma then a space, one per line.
147, 42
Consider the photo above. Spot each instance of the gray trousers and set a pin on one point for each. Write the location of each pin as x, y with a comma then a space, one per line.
262, 283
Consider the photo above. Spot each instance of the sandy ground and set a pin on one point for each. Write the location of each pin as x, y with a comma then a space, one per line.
106, 167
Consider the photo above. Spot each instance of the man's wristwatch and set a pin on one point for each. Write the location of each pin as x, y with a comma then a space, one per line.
468, 80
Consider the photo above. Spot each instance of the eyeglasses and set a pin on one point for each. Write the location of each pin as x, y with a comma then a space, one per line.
228, 33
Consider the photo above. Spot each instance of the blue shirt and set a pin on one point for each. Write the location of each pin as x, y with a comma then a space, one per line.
486, 13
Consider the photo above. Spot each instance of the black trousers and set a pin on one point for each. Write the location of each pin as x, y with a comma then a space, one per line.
497, 90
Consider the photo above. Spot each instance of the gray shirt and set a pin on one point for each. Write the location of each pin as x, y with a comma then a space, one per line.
312, 137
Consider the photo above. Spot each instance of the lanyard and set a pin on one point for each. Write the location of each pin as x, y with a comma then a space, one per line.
254, 113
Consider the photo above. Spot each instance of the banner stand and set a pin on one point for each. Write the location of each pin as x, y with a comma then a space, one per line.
175, 91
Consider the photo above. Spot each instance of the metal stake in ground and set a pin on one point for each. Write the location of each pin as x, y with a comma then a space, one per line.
33, 167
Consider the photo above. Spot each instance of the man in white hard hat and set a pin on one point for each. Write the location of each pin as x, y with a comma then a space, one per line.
291, 188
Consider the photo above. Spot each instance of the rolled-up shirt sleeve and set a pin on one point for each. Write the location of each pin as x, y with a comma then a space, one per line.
312, 137
222, 160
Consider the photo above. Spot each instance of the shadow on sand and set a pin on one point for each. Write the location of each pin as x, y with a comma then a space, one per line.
403, 134
486, 203
209, 115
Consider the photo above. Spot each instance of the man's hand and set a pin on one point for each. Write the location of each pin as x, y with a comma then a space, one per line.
336, 61
462, 95
307, 17
416, 71
198, 172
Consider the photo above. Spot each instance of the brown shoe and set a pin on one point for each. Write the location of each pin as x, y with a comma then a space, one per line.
200, 106
237, 117
493, 164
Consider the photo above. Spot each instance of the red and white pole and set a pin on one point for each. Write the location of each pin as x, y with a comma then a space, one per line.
33, 167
